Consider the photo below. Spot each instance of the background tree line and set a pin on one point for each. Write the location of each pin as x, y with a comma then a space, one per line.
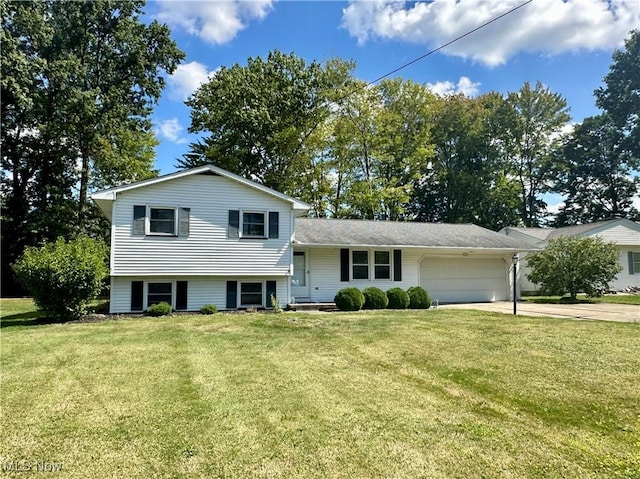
396, 151
79, 80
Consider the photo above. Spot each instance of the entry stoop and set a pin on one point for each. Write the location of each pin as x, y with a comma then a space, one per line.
311, 306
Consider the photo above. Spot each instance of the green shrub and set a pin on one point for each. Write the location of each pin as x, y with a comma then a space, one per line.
349, 299
398, 298
159, 309
418, 298
64, 277
209, 309
374, 298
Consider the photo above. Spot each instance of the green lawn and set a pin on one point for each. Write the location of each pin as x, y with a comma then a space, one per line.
436, 394
609, 298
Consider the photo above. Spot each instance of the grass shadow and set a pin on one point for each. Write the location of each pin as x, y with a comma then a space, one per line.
32, 318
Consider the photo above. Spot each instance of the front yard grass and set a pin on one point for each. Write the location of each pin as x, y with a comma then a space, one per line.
607, 298
438, 393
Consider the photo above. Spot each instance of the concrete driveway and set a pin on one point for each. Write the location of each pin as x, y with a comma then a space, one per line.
624, 313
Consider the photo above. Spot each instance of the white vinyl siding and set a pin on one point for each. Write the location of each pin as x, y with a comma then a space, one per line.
201, 290
324, 274
207, 250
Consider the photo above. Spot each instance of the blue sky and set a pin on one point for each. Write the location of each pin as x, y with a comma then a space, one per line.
565, 44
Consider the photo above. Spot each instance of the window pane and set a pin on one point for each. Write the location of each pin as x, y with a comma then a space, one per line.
381, 257
253, 224
159, 288
251, 294
383, 272
360, 257
360, 272
162, 220
158, 293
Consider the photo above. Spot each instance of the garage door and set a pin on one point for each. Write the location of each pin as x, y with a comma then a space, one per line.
464, 280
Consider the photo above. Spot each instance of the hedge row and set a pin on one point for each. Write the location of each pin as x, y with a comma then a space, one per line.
352, 299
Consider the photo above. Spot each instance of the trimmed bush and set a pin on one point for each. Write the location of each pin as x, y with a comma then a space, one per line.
374, 298
398, 298
64, 277
349, 299
208, 309
418, 298
159, 309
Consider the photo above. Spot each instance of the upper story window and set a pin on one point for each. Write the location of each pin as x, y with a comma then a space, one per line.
253, 224
162, 221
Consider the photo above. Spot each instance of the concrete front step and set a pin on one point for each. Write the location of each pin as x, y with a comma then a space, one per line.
311, 306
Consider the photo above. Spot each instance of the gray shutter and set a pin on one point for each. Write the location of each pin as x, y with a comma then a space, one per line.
271, 290
137, 295
139, 212
184, 215
397, 265
344, 264
234, 224
631, 270
181, 295
232, 294
274, 220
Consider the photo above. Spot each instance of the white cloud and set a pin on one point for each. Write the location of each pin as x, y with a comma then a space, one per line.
464, 86
171, 130
216, 22
543, 26
187, 78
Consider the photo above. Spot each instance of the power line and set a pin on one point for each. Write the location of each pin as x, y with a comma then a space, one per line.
415, 60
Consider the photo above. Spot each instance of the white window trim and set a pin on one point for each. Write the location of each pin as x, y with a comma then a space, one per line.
635, 254
262, 293
389, 264
265, 216
372, 264
147, 225
368, 251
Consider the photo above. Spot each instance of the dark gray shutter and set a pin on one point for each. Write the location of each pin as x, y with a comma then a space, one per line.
234, 224
184, 215
232, 294
631, 270
274, 220
397, 265
344, 264
181, 295
137, 295
139, 212
271, 290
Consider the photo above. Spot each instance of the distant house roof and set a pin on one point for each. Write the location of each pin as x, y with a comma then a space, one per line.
335, 232
104, 198
545, 234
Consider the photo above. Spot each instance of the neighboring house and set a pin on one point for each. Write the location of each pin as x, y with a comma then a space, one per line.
624, 233
207, 236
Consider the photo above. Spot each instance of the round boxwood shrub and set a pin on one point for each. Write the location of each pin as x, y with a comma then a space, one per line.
159, 309
398, 298
209, 309
374, 298
418, 298
349, 299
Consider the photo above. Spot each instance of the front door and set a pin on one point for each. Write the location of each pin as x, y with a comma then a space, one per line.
299, 279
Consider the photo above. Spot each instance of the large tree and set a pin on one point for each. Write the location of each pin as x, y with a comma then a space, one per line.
620, 97
593, 170
263, 118
537, 116
78, 82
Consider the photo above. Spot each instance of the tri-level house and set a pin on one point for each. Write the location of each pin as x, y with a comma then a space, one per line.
207, 236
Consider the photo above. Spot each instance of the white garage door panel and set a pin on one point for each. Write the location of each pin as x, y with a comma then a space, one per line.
456, 280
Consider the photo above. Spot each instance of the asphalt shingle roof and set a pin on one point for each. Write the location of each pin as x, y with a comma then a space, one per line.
335, 232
